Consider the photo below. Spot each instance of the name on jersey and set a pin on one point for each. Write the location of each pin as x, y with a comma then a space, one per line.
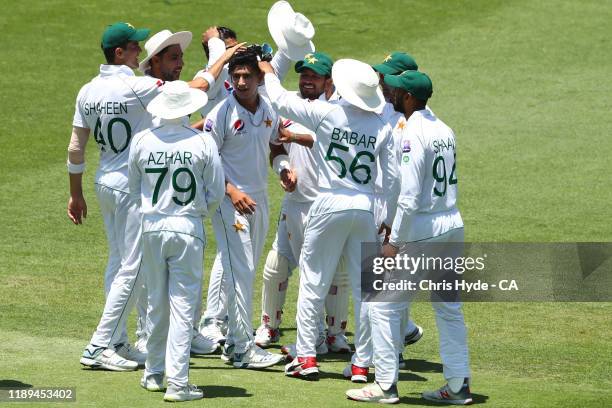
440, 145
163, 158
353, 138
109, 108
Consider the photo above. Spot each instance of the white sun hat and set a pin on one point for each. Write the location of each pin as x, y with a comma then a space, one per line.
162, 40
357, 83
292, 32
176, 100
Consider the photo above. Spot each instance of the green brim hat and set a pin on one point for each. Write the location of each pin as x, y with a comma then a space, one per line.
119, 33
319, 62
417, 83
396, 63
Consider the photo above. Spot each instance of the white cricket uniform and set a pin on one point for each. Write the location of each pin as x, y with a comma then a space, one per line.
243, 140
176, 174
427, 212
349, 144
216, 299
113, 106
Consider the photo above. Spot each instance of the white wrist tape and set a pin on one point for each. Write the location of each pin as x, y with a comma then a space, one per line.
75, 168
208, 77
280, 163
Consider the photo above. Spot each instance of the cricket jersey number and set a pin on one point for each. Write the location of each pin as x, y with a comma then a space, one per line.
99, 137
354, 167
439, 174
189, 188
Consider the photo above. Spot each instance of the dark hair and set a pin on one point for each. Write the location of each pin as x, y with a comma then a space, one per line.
109, 53
224, 33
245, 58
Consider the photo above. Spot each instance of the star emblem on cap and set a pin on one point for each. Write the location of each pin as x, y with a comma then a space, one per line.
311, 59
388, 58
238, 226
268, 122
129, 25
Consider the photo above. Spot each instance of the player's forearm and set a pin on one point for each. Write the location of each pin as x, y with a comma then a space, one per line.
281, 64
76, 184
302, 139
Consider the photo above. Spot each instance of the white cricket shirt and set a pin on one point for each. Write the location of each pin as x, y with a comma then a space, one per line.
428, 197
175, 172
243, 139
113, 106
349, 145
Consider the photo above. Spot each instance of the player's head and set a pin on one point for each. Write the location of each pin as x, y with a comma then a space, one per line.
228, 36
394, 64
165, 54
315, 75
120, 44
245, 75
410, 91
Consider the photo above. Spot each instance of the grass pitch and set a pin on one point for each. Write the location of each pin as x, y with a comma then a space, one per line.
523, 84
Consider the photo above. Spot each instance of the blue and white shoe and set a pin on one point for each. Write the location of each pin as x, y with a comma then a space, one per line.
106, 358
446, 396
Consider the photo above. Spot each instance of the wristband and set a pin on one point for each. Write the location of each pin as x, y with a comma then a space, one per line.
208, 77
75, 168
280, 163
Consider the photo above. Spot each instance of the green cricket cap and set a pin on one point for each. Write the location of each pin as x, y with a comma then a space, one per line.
118, 33
396, 63
415, 82
319, 62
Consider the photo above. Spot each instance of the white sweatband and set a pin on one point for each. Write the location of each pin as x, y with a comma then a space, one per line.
280, 163
75, 168
208, 77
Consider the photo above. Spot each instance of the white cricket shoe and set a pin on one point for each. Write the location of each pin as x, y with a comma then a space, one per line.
211, 329
227, 353
127, 351
202, 345
413, 336
374, 393
265, 335
106, 358
338, 343
153, 382
256, 357
189, 392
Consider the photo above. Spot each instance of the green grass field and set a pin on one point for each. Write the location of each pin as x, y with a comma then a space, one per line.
525, 86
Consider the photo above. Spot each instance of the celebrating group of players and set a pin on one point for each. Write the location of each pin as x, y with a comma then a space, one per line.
354, 151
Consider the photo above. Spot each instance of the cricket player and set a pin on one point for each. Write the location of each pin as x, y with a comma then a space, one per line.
352, 144
213, 325
164, 61
314, 83
113, 105
427, 212
176, 175
243, 127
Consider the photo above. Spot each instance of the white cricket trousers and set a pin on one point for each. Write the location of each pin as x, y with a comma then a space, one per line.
240, 241
172, 265
122, 282
328, 237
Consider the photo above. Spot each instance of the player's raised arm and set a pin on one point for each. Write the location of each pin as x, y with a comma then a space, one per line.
77, 207
205, 80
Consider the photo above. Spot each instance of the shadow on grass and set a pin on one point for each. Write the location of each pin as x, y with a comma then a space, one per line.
423, 366
403, 376
416, 399
14, 384
223, 391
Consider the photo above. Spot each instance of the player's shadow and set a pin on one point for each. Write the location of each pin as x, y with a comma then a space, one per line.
423, 366
14, 384
415, 398
403, 376
224, 391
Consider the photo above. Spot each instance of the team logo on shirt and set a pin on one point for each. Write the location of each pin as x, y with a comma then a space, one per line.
208, 126
238, 125
406, 146
228, 86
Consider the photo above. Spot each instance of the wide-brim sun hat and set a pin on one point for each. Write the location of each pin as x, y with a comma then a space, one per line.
357, 83
176, 100
161, 40
292, 32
